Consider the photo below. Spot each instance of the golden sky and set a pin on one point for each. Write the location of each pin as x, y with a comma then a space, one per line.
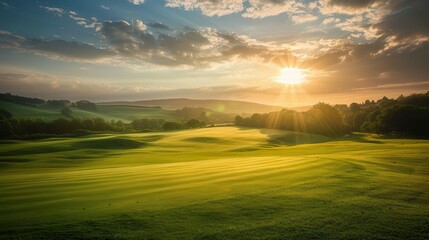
283, 52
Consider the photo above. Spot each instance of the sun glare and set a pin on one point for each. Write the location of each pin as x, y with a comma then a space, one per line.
291, 76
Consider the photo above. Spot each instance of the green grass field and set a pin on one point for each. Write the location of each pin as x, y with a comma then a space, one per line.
215, 183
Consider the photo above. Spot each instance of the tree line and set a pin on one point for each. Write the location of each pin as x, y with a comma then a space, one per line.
405, 116
33, 128
321, 119
82, 104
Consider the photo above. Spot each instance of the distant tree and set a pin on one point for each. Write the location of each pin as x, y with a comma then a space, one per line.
5, 114
60, 126
193, 123
20, 100
86, 105
6, 129
88, 124
326, 120
75, 124
406, 119
59, 103
239, 121
354, 107
101, 125
168, 126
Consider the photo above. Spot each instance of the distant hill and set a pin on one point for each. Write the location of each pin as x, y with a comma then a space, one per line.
226, 106
123, 113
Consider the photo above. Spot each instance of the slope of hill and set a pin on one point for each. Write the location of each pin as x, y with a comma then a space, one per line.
226, 106
107, 112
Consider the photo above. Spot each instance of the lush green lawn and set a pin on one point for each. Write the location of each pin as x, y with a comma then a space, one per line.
215, 183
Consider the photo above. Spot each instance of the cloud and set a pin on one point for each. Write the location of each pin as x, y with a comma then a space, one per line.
356, 66
350, 7
84, 22
407, 19
302, 18
57, 11
190, 47
140, 26
8, 40
158, 25
331, 20
66, 49
357, 25
136, 2
266, 8
208, 7
255, 9
104, 7
75, 17
54, 48
5, 5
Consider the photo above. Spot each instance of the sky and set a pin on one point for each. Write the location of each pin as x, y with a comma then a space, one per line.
346, 50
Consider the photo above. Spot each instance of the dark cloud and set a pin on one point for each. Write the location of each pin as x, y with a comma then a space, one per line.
75, 50
159, 25
352, 3
399, 56
54, 48
407, 19
368, 66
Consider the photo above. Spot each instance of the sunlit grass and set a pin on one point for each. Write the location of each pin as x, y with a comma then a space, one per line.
220, 183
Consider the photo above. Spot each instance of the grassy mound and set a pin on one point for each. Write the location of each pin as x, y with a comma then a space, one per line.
110, 143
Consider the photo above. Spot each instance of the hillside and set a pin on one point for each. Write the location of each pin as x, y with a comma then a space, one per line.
226, 106
107, 112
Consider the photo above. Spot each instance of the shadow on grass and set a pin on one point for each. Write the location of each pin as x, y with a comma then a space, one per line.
105, 144
291, 138
116, 143
205, 140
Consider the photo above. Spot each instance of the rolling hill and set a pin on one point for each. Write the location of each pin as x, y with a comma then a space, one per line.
107, 112
226, 106
215, 183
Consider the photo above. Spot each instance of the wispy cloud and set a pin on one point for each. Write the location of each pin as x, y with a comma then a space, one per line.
5, 5
54, 10
56, 49
208, 7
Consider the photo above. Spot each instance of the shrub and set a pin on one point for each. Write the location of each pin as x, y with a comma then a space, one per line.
6, 130
168, 126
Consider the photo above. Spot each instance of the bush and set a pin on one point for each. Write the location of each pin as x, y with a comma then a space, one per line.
5, 114
81, 132
168, 126
405, 119
194, 123
6, 130
86, 105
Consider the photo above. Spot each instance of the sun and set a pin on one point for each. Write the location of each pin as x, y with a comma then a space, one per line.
292, 76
